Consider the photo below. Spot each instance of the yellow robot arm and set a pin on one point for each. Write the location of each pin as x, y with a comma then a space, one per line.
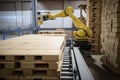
83, 31
50, 16
53, 16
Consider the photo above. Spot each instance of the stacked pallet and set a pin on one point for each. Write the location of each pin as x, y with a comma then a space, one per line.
57, 32
32, 57
51, 32
110, 37
94, 22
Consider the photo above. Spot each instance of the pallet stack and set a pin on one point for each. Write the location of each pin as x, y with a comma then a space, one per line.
32, 57
94, 22
110, 37
51, 32
57, 32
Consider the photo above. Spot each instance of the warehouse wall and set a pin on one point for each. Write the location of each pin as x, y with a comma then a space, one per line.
18, 14
7, 18
15, 14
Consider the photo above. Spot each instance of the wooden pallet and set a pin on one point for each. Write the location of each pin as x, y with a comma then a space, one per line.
51, 32
29, 65
28, 72
32, 55
29, 78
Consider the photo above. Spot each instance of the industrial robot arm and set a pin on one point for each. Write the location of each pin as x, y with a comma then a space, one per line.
83, 31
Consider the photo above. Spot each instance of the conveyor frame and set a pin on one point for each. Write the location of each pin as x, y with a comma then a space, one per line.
79, 67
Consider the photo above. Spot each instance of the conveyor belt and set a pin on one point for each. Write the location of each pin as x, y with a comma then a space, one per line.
67, 73
74, 66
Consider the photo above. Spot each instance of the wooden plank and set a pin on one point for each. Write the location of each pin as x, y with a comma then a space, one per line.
51, 32
4, 73
46, 55
30, 78
39, 64
7, 65
29, 72
35, 40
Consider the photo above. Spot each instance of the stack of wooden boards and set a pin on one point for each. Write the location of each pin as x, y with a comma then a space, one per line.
57, 32
32, 57
51, 32
110, 37
94, 22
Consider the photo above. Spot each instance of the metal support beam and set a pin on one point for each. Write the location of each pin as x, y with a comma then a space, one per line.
19, 31
34, 14
30, 30
3, 34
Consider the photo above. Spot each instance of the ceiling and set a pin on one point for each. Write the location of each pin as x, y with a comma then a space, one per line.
39, 0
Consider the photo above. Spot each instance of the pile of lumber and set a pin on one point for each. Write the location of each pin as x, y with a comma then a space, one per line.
51, 32
32, 57
110, 37
57, 32
94, 23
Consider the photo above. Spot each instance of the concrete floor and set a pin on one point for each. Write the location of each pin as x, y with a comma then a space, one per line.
98, 71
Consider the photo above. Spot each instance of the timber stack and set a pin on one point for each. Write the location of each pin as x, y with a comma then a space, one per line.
32, 57
94, 23
110, 37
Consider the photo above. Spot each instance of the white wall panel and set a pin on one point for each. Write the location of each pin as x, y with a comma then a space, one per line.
26, 19
19, 18
7, 15
26, 14
67, 22
7, 19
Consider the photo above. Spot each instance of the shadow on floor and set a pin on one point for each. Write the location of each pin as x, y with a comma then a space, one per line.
98, 72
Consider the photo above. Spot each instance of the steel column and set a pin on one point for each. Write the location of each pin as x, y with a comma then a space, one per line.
34, 14
3, 34
19, 31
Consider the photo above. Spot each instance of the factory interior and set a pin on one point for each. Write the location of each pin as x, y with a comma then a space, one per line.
59, 39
